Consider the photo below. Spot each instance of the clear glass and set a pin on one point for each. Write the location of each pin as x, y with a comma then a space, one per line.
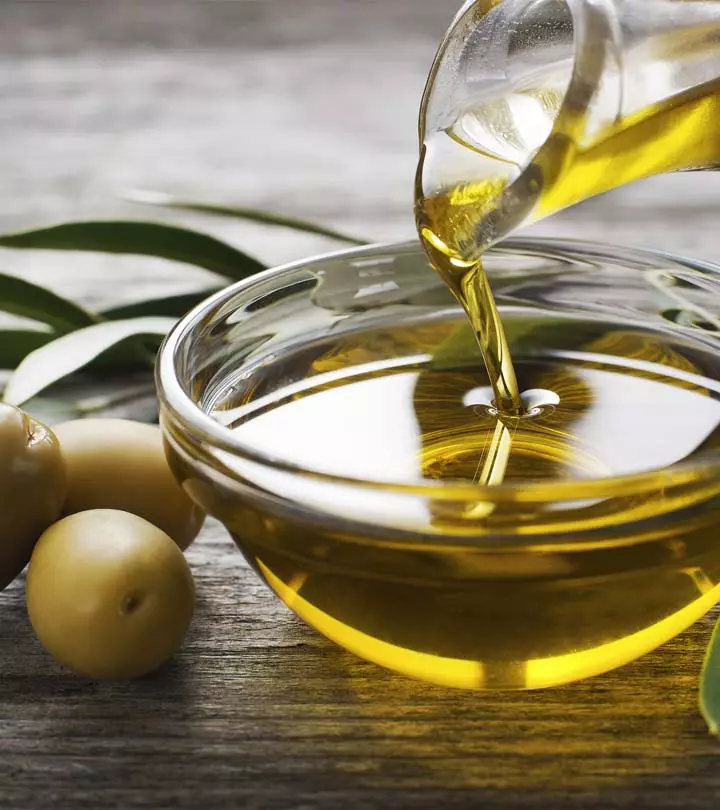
521, 585
534, 105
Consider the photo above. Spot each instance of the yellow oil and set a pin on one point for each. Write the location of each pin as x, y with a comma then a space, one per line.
421, 584
457, 221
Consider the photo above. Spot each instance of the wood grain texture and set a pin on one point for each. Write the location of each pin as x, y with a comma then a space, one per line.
307, 106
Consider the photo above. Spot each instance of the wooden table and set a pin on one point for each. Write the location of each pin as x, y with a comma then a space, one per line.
307, 106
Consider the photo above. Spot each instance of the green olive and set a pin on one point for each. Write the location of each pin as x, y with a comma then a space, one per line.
109, 595
118, 464
32, 487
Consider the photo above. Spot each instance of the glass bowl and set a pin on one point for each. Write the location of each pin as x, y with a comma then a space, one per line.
302, 408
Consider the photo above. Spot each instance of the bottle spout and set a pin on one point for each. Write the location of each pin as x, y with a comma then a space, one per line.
534, 105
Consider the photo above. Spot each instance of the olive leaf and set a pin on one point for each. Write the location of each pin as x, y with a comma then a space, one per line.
172, 306
17, 344
125, 336
141, 239
128, 395
709, 697
51, 411
72, 352
20, 297
159, 198
101, 403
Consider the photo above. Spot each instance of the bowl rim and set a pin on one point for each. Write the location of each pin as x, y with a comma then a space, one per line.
176, 404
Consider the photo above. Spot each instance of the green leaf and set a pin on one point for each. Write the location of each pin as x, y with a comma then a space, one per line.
173, 306
52, 411
710, 684
126, 398
21, 297
240, 212
73, 352
122, 397
141, 239
16, 344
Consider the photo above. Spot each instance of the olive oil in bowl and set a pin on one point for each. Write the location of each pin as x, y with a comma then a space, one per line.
504, 474
345, 431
